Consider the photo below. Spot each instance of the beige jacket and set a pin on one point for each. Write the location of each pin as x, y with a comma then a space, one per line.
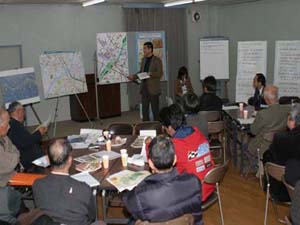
156, 71
9, 158
272, 119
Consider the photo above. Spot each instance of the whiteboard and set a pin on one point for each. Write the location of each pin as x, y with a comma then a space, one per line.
251, 59
287, 68
214, 58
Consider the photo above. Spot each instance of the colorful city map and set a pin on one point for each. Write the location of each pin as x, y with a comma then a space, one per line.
112, 57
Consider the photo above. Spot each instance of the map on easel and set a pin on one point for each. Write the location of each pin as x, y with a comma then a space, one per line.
112, 57
62, 74
19, 85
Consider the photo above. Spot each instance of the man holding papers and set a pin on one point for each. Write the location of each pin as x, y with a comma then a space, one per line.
28, 144
165, 194
150, 87
61, 197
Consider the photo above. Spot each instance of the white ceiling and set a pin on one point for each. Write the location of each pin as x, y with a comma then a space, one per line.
218, 2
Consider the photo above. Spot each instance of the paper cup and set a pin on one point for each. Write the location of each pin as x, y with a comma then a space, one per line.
123, 151
241, 106
124, 158
108, 145
105, 161
245, 114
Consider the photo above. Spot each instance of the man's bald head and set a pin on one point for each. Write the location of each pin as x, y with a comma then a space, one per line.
271, 94
59, 153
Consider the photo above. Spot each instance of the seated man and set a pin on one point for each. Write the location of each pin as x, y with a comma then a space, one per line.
64, 199
160, 197
191, 146
27, 143
259, 83
286, 144
209, 101
272, 119
10, 200
191, 106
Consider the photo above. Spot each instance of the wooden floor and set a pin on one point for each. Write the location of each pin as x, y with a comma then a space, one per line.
243, 203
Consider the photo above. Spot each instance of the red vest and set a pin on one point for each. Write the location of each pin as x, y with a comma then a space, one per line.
194, 156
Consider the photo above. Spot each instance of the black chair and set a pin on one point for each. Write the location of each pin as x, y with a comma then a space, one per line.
155, 125
284, 100
120, 128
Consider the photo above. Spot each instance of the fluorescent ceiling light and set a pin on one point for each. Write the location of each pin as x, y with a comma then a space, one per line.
181, 2
92, 2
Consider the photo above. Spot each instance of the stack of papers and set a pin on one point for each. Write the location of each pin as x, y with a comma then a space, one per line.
139, 141
143, 75
137, 160
127, 180
86, 178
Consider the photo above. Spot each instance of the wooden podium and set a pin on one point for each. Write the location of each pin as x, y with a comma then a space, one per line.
109, 101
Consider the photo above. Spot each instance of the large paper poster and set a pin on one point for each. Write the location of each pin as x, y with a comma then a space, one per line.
159, 48
112, 57
62, 74
252, 59
19, 85
287, 68
214, 58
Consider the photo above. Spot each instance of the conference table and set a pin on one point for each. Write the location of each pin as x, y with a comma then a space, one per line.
115, 166
237, 126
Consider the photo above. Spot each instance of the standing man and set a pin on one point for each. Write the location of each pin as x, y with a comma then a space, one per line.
150, 88
28, 144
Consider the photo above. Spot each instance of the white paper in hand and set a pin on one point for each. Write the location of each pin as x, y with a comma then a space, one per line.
143, 76
42, 161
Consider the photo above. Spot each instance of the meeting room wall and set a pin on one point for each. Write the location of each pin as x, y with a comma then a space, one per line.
268, 20
40, 28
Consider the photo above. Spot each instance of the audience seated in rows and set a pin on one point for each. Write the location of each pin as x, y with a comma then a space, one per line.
209, 101
163, 195
61, 197
28, 144
191, 146
271, 119
259, 83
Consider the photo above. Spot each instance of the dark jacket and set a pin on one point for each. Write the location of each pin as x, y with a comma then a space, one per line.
165, 196
257, 100
285, 145
210, 102
65, 200
26, 143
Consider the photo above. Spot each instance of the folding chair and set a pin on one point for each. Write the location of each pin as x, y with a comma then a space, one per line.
276, 171
215, 176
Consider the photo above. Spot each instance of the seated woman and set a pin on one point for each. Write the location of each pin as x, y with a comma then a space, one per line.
183, 83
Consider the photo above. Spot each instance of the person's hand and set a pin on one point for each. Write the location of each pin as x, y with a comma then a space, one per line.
148, 140
43, 130
131, 77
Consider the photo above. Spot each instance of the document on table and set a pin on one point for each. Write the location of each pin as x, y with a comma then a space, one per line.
86, 178
230, 107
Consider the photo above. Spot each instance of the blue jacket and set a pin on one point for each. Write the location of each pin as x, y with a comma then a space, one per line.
165, 196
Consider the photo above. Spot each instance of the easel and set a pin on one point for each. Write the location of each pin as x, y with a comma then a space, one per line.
56, 113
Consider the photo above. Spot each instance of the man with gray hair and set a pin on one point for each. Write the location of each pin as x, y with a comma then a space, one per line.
28, 144
268, 121
64, 199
